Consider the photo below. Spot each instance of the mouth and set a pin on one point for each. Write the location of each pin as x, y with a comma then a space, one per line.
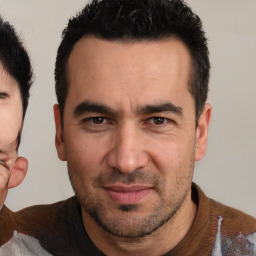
129, 195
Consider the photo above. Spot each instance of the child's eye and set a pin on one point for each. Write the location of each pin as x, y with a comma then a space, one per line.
3, 164
3, 95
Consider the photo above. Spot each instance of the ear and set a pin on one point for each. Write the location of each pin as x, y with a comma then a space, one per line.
59, 142
202, 132
18, 172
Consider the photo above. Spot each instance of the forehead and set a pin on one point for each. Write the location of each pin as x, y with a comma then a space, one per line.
7, 82
137, 71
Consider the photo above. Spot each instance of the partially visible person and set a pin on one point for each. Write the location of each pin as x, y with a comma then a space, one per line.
15, 83
12, 168
132, 120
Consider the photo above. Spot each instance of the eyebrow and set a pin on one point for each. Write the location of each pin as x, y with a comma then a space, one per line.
165, 107
92, 107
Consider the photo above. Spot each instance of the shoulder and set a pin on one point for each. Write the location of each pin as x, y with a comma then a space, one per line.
58, 228
7, 224
236, 231
39, 219
47, 209
48, 215
223, 228
233, 221
22, 245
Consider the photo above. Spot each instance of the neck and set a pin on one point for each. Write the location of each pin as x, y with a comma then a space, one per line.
166, 237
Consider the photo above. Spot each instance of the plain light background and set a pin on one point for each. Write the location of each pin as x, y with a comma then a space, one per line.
228, 171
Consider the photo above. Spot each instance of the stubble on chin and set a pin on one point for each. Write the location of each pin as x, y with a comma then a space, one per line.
126, 220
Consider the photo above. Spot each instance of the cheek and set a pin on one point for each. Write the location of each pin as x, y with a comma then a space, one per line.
173, 156
86, 153
10, 126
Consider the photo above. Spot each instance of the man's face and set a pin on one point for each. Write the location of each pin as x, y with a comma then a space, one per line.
10, 116
129, 133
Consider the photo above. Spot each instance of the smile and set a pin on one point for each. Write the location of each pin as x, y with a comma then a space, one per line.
122, 194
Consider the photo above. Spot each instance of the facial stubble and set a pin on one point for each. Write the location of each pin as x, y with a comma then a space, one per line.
126, 220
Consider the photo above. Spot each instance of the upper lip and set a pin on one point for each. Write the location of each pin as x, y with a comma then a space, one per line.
127, 188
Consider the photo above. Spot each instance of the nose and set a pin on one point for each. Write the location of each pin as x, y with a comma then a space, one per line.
128, 151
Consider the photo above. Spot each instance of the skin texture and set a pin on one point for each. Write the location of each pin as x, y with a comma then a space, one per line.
130, 139
11, 111
12, 168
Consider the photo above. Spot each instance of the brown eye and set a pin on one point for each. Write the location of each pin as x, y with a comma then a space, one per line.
158, 120
3, 95
98, 120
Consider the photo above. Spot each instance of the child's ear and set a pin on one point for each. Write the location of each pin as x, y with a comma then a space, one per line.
18, 172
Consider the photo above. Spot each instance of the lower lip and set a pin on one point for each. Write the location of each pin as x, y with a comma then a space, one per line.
130, 197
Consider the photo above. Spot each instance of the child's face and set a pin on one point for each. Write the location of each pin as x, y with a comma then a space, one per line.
10, 117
